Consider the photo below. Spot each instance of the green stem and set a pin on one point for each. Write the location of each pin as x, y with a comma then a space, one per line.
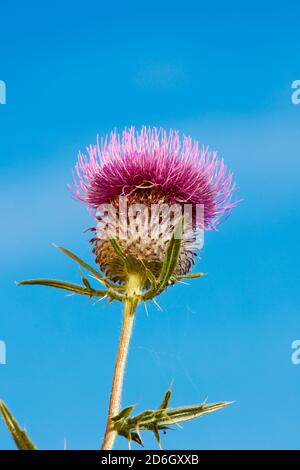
134, 286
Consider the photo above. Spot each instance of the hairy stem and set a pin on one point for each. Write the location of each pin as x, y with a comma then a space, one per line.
134, 286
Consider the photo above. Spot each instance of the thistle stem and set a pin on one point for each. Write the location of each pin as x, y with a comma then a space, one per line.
133, 288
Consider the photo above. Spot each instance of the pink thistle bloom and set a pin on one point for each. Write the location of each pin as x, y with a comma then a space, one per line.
152, 167
178, 168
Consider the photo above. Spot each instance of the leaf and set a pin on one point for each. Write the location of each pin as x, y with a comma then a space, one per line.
133, 436
118, 250
83, 290
149, 274
80, 261
172, 254
129, 261
162, 418
85, 281
19, 435
64, 285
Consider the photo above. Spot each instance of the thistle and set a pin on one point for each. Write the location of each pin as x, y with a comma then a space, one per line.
152, 195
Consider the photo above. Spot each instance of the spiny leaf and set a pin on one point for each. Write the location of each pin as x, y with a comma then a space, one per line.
19, 435
83, 290
64, 285
163, 418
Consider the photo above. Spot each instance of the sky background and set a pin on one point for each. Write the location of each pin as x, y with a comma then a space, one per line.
221, 72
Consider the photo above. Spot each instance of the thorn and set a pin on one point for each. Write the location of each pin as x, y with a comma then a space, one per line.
179, 425
146, 308
138, 433
157, 305
97, 279
93, 277
101, 298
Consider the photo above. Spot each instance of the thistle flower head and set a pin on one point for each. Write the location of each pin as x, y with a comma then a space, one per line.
154, 159
153, 167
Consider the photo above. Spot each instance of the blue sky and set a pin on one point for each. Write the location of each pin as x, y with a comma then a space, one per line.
223, 74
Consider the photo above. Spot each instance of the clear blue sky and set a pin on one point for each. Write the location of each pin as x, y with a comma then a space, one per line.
221, 72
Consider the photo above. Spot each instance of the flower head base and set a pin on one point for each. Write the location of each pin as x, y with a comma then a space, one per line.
152, 167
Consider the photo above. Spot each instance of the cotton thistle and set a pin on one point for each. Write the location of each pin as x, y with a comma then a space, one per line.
138, 186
